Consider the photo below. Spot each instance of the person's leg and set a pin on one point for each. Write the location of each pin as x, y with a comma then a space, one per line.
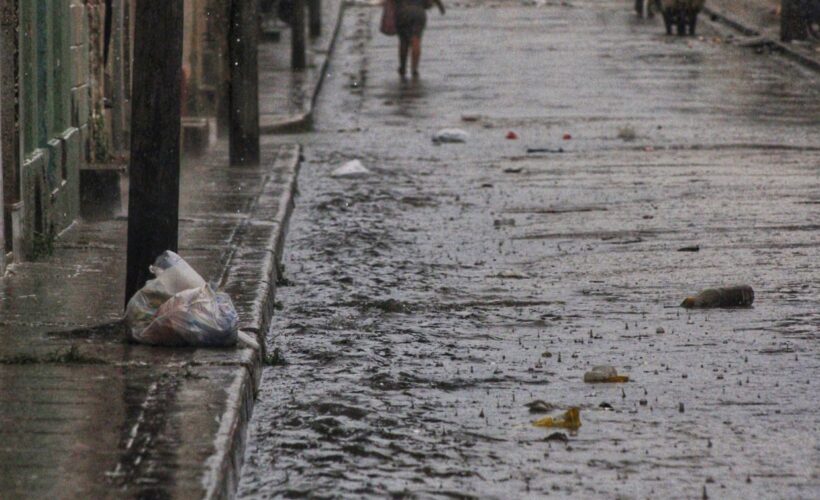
416, 57
403, 49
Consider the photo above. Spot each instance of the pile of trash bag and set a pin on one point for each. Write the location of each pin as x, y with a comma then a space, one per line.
178, 308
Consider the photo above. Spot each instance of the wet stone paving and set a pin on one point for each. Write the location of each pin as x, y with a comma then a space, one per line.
429, 301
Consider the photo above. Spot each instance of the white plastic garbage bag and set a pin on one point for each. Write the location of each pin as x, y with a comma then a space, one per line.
353, 168
450, 135
178, 308
194, 317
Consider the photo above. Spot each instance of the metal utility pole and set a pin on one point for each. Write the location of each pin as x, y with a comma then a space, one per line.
153, 203
792, 23
2, 206
298, 55
315, 22
9, 138
244, 82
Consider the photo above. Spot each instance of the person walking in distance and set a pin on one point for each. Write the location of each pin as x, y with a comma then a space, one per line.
410, 21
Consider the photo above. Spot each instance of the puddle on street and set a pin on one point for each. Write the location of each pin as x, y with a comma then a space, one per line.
416, 328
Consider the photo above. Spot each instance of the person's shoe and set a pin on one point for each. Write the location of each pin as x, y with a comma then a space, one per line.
403, 73
416, 75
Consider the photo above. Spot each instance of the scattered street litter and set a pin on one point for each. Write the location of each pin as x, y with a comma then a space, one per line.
557, 436
660, 330
752, 41
194, 317
571, 419
470, 118
513, 170
540, 406
693, 248
353, 168
734, 296
627, 134
604, 374
567, 137
511, 275
172, 275
531, 151
503, 222
177, 308
450, 135
249, 341
512, 135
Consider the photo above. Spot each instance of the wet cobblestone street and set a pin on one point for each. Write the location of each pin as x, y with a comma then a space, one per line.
429, 301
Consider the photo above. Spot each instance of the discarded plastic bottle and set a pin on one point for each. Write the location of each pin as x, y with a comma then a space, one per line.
733, 296
604, 374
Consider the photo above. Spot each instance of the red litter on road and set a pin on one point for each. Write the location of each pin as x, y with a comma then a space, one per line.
567, 137
512, 135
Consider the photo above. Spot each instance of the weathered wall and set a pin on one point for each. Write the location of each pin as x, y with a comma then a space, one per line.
109, 70
81, 86
204, 48
66, 102
52, 149
99, 136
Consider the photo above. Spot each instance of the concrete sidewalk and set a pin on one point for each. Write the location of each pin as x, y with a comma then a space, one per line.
761, 18
292, 111
84, 414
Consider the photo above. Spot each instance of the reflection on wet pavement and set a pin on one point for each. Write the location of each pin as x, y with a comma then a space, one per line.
431, 301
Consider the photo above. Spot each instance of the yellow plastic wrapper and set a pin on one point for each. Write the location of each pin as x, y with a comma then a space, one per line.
571, 419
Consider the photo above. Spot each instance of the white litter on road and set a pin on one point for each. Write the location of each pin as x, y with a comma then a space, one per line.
450, 135
353, 168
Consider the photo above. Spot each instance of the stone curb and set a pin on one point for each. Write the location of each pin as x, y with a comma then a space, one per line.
303, 122
777, 45
223, 467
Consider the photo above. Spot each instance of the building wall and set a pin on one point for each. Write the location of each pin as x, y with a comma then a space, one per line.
80, 85
65, 106
204, 50
50, 131
99, 131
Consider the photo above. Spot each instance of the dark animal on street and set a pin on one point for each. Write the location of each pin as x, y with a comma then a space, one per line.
682, 14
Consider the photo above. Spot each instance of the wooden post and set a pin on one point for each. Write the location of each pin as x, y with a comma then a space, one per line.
244, 94
153, 203
10, 137
2, 206
792, 23
298, 56
220, 17
315, 22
